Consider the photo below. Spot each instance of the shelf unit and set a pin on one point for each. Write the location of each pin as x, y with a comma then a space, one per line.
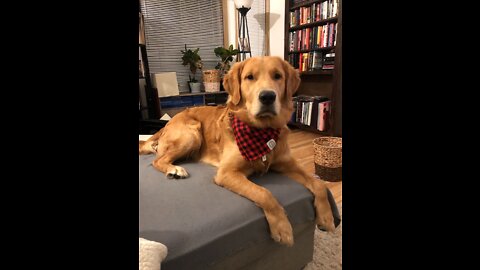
180, 102
152, 103
318, 81
313, 24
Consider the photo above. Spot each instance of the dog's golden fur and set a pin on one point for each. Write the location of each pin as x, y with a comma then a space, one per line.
204, 134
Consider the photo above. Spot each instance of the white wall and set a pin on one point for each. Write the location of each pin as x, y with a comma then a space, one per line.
277, 25
231, 22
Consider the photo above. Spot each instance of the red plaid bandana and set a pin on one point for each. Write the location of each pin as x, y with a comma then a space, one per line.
253, 142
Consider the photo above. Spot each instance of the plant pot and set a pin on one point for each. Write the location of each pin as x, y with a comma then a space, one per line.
211, 80
195, 87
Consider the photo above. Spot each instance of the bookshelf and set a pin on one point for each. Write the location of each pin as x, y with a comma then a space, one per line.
313, 46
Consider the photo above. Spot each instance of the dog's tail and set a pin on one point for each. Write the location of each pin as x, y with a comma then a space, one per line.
149, 146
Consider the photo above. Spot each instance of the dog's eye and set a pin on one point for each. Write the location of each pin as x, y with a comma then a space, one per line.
250, 77
277, 76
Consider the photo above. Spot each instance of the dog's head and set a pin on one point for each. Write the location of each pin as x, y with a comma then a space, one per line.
261, 89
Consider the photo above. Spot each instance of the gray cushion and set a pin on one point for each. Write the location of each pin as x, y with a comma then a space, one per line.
201, 223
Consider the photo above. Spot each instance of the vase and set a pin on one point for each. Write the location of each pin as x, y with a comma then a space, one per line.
195, 87
211, 80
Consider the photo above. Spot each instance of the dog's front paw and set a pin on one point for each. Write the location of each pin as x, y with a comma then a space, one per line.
324, 218
325, 221
177, 172
282, 232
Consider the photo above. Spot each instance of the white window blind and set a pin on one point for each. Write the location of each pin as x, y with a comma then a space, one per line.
256, 27
170, 24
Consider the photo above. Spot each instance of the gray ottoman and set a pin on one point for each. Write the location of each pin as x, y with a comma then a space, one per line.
206, 226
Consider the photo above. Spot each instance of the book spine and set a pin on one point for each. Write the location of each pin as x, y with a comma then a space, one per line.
324, 10
320, 8
305, 39
314, 14
310, 43
310, 105
305, 61
325, 116
335, 38
335, 8
322, 111
297, 17
318, 12
304, 17
314, 120
331, 30
310, 18
320, 36
298, 36
300, 62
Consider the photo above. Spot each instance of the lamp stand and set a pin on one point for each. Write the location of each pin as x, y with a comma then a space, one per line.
243, 36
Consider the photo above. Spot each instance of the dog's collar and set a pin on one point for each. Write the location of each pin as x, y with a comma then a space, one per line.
253, 143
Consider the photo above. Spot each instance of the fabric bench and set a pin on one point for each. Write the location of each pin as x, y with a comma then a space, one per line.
205, 226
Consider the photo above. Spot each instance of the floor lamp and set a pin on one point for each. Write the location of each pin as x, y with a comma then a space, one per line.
243, 6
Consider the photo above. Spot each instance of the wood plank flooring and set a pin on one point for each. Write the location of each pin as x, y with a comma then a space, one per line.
301, 145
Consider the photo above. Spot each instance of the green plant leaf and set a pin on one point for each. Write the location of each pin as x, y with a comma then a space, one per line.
193, 59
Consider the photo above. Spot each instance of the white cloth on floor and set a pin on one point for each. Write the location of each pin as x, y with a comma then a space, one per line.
151, 254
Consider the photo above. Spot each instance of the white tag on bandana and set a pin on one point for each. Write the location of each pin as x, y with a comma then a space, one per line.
271, 144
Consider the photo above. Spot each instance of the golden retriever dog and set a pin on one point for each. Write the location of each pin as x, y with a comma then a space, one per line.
260, 97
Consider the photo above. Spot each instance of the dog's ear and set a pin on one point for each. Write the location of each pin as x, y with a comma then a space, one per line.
231, 82
292, 79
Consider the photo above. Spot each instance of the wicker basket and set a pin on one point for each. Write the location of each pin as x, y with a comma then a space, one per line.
211, 80
328, 158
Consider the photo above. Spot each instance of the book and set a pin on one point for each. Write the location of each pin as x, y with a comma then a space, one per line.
317, 60
332, 34
335, 8
335, 36
323, 113
306, 61
306, 111
314, 113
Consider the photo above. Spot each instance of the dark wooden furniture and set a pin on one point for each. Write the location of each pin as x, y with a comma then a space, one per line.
153, 106
152, 103
175, 104
150, 126
319, 82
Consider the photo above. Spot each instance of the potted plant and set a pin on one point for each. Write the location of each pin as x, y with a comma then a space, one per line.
226, 54
193, 59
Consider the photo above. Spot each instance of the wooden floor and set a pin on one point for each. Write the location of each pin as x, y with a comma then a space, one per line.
301, 145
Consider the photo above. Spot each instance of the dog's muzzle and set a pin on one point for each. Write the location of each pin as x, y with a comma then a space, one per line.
267, 101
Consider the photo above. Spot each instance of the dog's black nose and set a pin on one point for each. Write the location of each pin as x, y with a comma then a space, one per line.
267, 97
